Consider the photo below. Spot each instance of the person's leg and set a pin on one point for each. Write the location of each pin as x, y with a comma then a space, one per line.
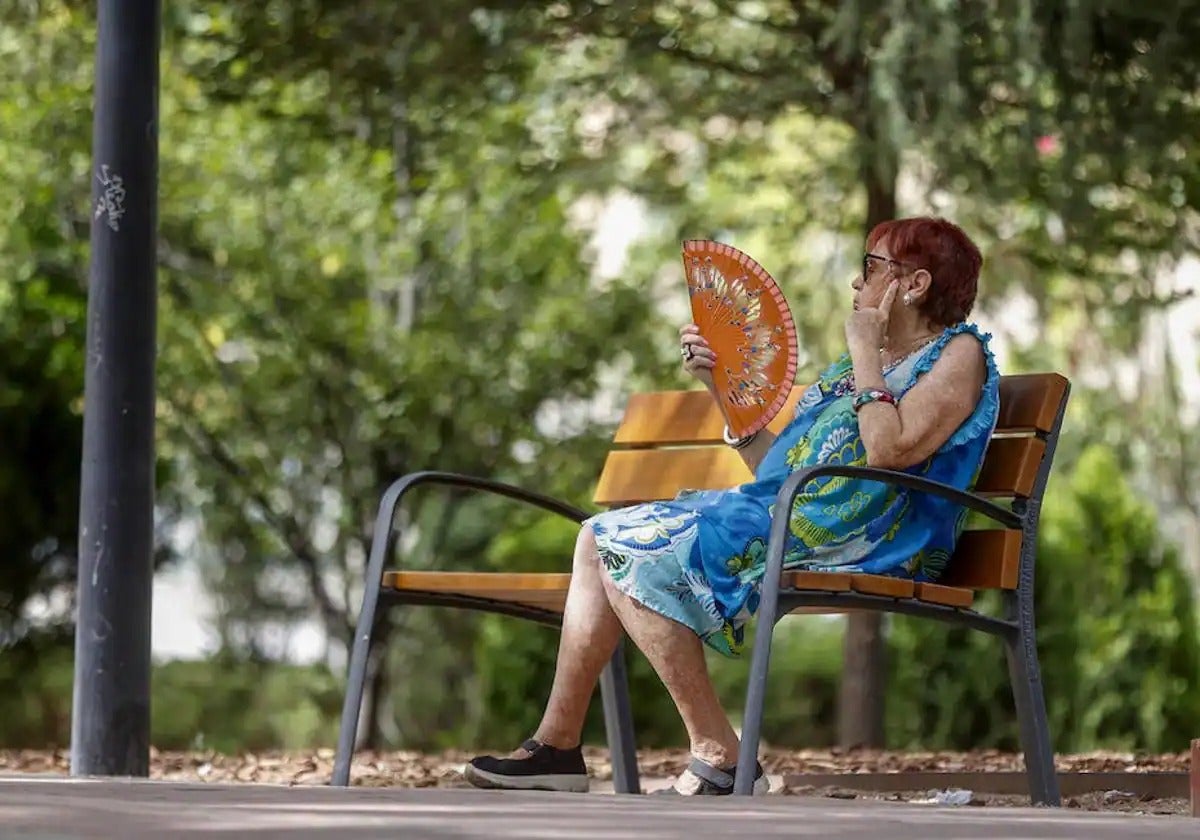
677, 655
595, 612
552, 759
590, 632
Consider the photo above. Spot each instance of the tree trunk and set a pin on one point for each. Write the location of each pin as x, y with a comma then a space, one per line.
861, 705
864, 676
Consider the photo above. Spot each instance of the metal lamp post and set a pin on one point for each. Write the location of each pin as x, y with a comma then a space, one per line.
110, 716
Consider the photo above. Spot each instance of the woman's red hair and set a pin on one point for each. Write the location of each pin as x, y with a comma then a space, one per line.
946, 252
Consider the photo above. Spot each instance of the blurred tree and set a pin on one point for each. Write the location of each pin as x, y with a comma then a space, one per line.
1117, 630
377, 256
338, 312
1021, 107
226, 704
41, 367
966, 97
45, 75
231, 705
43, 269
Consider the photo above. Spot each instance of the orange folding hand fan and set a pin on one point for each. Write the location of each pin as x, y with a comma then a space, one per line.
744, 317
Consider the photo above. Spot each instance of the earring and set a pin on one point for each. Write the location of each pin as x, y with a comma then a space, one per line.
907, 299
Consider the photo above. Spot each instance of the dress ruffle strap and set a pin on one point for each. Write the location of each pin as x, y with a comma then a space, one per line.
982, 421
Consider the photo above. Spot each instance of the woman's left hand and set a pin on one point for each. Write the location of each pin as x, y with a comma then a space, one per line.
866, 327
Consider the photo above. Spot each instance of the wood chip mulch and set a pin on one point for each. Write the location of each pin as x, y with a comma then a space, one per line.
414, 769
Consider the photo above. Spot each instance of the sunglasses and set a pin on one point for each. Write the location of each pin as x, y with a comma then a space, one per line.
866, 263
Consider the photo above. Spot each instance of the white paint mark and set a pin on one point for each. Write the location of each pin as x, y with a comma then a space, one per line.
112, 202
103, 630
96, 567
97, 352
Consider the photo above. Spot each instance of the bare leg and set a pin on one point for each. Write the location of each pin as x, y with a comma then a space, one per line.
677, 655
590, 631
595, 612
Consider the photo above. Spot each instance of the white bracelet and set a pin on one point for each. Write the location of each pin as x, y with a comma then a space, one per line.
737, 443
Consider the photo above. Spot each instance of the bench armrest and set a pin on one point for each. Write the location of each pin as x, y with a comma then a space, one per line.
380, 540
791, 488
391, 497
396, 491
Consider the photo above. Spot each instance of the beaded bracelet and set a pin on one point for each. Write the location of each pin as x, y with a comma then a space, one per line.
738, 443
870, 395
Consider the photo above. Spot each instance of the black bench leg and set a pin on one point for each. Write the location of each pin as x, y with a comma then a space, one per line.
760, 659
618, 723
360, 651
1026, 677
355, 684
756, 691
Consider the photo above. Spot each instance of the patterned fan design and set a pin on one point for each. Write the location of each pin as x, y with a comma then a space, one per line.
745, 318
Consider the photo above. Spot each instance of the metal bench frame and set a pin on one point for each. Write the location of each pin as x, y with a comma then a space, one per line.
1016, 628
614, 683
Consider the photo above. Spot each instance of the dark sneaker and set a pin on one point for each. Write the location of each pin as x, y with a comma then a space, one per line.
545, 768
703, 779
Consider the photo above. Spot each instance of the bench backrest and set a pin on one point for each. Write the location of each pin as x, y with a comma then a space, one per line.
671, 440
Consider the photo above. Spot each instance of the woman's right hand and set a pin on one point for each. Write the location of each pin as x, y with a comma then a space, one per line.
698, 358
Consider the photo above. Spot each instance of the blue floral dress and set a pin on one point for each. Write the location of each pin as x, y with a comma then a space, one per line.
699, 558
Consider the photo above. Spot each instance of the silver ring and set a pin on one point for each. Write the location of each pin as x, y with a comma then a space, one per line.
687, 352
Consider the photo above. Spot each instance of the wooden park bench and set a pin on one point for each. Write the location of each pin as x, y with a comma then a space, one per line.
671, 440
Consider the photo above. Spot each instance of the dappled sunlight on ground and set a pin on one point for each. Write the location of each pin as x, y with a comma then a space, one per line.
413, 769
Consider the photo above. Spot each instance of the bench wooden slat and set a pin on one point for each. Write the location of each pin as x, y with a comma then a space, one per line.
631, 476
548, 590
822, 581
480, 582
951, 596
645, 475
682, 418
891, 587
1010, 466
1028, 402
985, 559
988, 558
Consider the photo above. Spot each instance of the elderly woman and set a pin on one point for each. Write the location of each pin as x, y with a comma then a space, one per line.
917, 390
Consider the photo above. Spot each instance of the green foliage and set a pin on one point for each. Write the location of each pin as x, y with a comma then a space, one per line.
802, 694
35, 694
230, 705
376, 257
224, 704
41, 372
42, 322
1117, 631
45, 76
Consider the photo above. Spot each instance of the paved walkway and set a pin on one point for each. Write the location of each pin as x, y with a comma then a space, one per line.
36, 808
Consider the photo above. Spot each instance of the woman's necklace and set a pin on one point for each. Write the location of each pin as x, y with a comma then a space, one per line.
846, 384
912, 347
